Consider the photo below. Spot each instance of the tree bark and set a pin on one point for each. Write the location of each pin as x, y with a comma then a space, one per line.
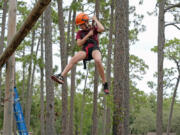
24, 30
104, 115
2, 39
161, 41
63, 52
10, 67
73, 74
120, 59
23, 85
68, 30
108, 71
96, 80
126, 77
94, 115
29, 103
50, 129
27, 114
173, 100
83, 104
42, 78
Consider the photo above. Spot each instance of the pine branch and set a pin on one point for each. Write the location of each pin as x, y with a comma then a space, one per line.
24, 30
172, 6
173, 24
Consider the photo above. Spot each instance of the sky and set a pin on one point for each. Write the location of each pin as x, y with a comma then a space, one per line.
148, 39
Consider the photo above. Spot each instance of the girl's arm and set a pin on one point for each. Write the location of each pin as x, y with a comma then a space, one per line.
80, 42
100, 27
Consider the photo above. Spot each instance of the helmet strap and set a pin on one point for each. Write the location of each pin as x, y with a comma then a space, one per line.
86, 25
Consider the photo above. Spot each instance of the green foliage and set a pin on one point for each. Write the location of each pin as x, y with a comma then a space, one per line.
172, 49
76, 6
23, 11
176, 119
144, 122
172, 53
54, 16
137, 67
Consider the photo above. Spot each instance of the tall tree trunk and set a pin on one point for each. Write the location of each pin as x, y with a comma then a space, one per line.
83, 105
73, 74
94, 114
27, 114
108, 72
126, 64
96, 80
121, 42
2, 39
173, 100
104, 115
68, 30
10, 67
161, 41
42, 78
50, 129
63, 49
23, 83
29, 103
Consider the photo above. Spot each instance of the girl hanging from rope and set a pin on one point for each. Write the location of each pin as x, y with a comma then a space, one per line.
87, 39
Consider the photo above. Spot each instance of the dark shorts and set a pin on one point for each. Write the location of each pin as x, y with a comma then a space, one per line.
89, 50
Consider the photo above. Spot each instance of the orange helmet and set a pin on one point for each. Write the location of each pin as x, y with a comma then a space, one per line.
81, 18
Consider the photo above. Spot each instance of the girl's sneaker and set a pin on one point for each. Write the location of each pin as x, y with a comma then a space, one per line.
58, 78
106, 90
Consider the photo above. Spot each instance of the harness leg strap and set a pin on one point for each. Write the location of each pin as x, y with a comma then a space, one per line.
84, 63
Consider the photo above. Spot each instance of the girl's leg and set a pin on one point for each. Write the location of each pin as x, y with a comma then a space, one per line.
97, 58
77, 57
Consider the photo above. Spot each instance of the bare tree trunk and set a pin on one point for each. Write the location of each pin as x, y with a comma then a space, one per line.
3, 26
126, 77
161, 41
10, 67
29, 103
173, 100
120, 59
96, 80
68, 30
2, 39
82, 105
42, 78
108, 121
27, 114
63, 48
24, 30
50, 129
104, 115
14, 126
108, 72
23, 85
73, 74
94, 115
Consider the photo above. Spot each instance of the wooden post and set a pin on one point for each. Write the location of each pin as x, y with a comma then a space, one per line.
24, 30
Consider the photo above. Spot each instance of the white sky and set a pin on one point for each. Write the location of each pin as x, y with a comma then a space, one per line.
148, 39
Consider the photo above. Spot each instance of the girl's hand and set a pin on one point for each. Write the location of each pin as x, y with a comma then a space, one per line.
94, 18
90, 33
